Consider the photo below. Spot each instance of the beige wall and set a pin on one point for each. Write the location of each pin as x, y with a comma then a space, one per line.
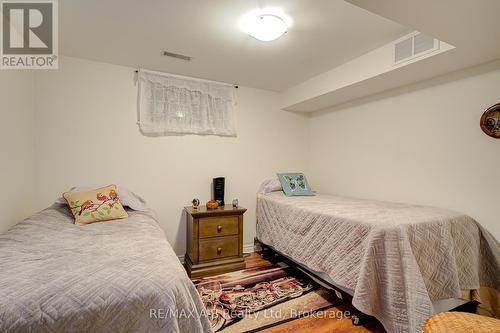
17, 147
87, 135
420, 144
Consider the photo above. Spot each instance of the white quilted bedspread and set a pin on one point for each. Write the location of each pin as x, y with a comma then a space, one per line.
397, 258
104, 277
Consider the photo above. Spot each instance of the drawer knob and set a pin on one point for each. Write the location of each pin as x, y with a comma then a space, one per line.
219, 228
219, 250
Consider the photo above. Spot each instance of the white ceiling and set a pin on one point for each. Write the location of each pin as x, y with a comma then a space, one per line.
325, 34
472, 27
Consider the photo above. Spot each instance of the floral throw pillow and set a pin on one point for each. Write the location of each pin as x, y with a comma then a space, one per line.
294, 183
102, 204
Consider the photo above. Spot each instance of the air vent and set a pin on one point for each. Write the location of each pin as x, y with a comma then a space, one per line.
403, 50
176, 55
414, 45
422, 43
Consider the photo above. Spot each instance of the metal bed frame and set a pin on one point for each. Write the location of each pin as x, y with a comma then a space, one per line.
358, 318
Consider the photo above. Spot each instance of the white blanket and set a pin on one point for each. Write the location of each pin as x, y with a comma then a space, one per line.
397, 258
116, 276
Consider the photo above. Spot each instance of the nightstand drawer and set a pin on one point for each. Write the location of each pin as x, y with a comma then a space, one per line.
214, 240
218, 226
218, 248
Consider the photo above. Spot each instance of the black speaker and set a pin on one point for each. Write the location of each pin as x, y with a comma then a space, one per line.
219, 184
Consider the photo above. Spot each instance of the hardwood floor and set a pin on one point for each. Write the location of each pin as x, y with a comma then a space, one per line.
255, 260
326, 324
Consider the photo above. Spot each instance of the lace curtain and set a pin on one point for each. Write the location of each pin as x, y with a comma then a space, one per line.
173, 105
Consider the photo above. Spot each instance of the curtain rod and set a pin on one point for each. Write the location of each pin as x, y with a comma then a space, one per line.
187, 77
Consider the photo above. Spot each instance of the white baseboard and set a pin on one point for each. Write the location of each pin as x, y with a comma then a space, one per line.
247, 248
181, 258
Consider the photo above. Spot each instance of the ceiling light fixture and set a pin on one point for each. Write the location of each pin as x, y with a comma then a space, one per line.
265, 24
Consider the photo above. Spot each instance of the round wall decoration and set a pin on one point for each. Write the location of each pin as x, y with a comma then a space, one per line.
490, 121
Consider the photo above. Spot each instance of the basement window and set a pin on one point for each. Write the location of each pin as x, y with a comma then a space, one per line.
173, 105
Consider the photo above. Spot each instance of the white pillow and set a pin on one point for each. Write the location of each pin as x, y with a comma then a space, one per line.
270, 185
127, 197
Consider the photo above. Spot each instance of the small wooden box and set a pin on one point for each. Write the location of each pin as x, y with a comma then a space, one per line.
214, 240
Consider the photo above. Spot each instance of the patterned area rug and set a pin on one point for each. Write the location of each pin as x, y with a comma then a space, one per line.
254, 299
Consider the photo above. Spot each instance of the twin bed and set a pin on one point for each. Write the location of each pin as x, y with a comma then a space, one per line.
116, 276
400, 263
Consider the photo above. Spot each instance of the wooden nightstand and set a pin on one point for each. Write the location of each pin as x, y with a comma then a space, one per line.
214, 240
